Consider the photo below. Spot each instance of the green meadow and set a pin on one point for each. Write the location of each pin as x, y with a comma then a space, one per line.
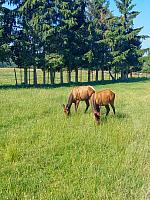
46, 155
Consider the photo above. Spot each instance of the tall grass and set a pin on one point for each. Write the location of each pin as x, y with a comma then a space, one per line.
45, 155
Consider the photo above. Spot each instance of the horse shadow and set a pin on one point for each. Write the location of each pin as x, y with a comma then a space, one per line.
119, 115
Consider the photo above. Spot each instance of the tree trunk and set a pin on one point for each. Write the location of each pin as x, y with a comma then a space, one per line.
29, 75
25, 76
69, 75
21, 75
124, 74
34, 76
117, 76
92, 74
61, 75
76, 74
51, 75
89, 75
115, 73
110, 74
54, 73
130, 72
96, 75
48, 76
15, 76
44, 76
102, 74
80, 75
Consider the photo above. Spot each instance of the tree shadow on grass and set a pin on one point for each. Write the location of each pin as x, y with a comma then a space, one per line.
72, 84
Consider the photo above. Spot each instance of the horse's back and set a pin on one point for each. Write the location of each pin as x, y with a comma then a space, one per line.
105, 97
83, 92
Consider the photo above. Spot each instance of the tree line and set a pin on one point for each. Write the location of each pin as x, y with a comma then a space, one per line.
58, 35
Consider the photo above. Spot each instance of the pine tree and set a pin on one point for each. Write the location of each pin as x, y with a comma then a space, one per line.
27, 40
7, 20
114, 36
130, 43
72, 25
146, 61
54, 23
58, 34
98, 15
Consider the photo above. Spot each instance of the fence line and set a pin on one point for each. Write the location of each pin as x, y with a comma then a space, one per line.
16, 76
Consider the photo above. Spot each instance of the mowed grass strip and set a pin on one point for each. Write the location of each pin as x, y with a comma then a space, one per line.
45, 155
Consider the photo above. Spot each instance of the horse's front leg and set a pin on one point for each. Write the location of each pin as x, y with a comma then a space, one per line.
76, 105
107, 110
87, 105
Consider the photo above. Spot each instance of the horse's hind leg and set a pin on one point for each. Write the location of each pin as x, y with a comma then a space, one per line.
113, 107
107, 109
75, 107
87, 105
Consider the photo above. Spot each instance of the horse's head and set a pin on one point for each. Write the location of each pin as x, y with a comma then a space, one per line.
97, 117
66, 109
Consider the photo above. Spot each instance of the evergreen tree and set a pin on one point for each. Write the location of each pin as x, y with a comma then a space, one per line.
129, 45
23, 52
98, 15
7, 20
146, 62
58, 34
72, 25
56, 24
27, 47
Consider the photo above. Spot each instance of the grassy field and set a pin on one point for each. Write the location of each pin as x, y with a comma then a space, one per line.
45, 155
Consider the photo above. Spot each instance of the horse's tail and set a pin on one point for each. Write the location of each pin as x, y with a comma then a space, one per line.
91, 91
94, 108
113, 95
92, 88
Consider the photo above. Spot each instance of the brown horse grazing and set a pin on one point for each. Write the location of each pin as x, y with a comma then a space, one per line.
102, 98
81, 93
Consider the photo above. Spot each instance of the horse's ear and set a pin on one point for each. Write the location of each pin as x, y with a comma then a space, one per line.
63, 105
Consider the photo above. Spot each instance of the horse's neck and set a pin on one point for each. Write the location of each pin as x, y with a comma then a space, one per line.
94, 103
70, 100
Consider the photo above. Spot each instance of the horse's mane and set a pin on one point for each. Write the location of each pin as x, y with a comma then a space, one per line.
95, 111
70, 100
93, 103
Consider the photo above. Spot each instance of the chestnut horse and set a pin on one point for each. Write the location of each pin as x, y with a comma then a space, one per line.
81, 93
102, 98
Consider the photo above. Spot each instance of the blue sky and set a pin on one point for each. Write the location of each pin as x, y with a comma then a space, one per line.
142, 19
